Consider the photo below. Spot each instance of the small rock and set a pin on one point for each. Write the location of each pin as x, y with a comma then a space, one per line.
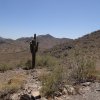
36, 94
56, 98
86, 84
84, 90
29, 91
57, 94
14, 97
70, 89
65, 91
44, 98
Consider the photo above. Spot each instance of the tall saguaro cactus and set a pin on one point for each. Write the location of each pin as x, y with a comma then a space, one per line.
34, 49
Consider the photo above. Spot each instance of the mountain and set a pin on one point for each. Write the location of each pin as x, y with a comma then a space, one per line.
88, 45
22, 44
48, 41
13, 51
4, 40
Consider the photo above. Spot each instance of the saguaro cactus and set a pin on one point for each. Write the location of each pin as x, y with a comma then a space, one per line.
34, 49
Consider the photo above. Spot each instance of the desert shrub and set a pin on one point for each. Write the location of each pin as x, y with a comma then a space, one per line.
46, 61
85, 71
21, 64
24, 64
12, 85
4, 67
41, 61
27, 65
83, 68
51, 82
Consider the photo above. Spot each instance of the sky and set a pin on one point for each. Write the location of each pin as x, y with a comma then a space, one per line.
60, 18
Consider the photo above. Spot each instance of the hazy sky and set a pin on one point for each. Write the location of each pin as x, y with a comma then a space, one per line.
60, 18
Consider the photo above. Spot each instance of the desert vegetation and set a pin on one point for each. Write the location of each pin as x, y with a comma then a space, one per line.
79, 68
52, 82
11, 85
83, 67
71, 63
4, 67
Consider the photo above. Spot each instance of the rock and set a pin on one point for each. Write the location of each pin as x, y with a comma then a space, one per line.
57, 93
83, 90
15, 96
65, 91
56, 98
44, 98
29, 91
86, 84
70, 89
35, 94
25, 97
97, 86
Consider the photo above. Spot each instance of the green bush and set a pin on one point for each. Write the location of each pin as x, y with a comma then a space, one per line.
28, 64
4, 67
41, 61
11, 86
24, 64
83, 69
51, 83
46, 61
20, 64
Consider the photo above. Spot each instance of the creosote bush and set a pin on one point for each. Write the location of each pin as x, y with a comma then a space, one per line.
12, 85
24, 64
4, 67
82, 68
41, 61
27, 65
85, 71
46, 61
51, 82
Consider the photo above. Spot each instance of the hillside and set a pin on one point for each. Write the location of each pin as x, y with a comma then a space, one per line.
88, 46
22, 44
14, 51
71, 75
90, 41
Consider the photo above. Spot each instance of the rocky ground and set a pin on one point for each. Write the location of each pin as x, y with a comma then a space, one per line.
89, 91
32, 85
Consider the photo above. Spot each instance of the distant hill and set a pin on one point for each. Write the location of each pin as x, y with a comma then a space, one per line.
90, 43
22, 44
13, 51
4, 40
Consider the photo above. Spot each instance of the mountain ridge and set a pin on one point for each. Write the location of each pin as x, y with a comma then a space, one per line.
90, 43
14, 51
17, 50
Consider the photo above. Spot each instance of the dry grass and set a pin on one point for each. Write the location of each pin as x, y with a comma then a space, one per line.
4, 67
46, 61
14, 59
13, 84
51, 82
82, 66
